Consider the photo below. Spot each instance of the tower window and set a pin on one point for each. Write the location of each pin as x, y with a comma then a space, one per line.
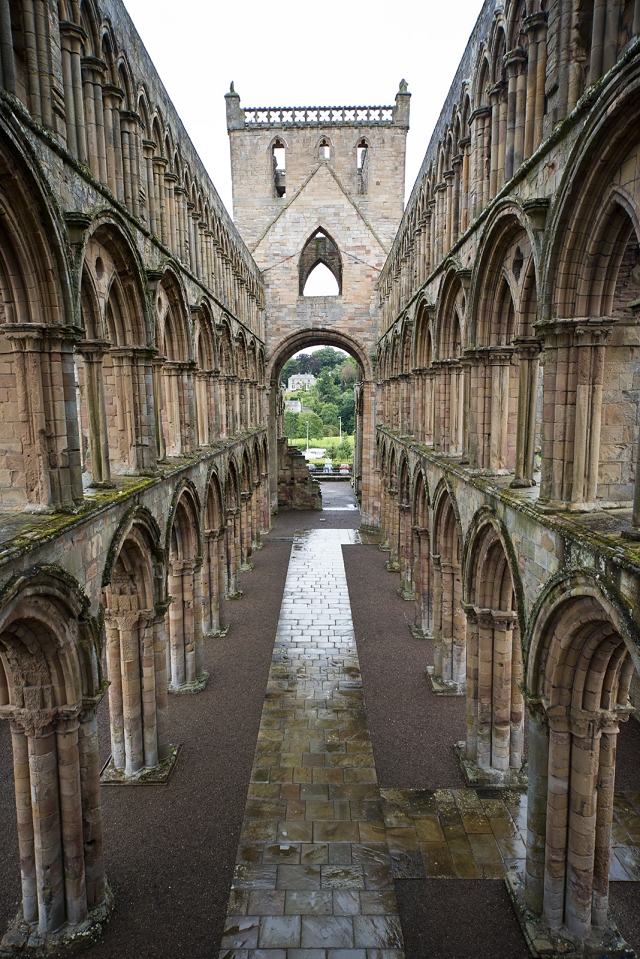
362, 165
321, 257
279, 169
324, 149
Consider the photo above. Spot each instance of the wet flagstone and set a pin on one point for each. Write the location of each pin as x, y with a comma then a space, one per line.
313, 875
321, 843
478, 834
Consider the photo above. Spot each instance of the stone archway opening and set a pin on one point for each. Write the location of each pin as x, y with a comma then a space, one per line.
291, 484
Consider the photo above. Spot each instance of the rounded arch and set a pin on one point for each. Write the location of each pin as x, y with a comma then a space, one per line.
185, 497
485, 533
545, 622
138, 518
319, 336
47, 639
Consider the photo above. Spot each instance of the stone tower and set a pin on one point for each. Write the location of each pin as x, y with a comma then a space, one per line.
319, 185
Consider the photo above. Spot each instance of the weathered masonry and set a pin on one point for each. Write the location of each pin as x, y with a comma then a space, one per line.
495, 321
133, 445
320, 185
507, 428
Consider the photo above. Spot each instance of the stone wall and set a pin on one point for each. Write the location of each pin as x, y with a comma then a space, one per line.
507, 429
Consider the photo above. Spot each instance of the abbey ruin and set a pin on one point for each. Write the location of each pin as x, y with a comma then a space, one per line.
495, 321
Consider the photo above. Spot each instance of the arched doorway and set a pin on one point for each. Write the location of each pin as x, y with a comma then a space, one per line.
364, 452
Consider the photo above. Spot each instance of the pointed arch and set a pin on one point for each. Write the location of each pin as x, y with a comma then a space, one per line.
319, 248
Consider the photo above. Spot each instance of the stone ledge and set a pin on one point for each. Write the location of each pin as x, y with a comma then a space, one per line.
158, 776
23, 939
545, 943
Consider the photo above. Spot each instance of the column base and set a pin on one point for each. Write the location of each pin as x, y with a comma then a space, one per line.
393, 566
255, 546
158, 776
237, 595
384, 548
23, 939
406, 594
444, 687
546, 943
188, 688
475, 775
217, 633
246, 567
419, 633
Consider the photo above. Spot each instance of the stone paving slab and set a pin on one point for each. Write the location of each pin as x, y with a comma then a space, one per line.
482, 834
313, 876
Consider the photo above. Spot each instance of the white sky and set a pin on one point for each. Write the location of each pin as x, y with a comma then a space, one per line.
330, 53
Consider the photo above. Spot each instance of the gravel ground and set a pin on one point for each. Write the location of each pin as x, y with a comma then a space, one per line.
170, 850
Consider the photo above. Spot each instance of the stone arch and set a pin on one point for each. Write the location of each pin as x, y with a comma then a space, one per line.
233, 550
320, 248
495, 707
184, 551
114, 370
422, 567
205, 351
589, 288
449, 378
582, 655
363, 464
174, 369
449, 626
36, 345
214, 557
49, 689
424, 380
226, 384
505, 417
135, 605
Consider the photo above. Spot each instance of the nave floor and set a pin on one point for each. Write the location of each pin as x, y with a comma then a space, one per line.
171, 850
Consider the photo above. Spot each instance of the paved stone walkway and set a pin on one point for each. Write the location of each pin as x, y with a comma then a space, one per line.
313, 878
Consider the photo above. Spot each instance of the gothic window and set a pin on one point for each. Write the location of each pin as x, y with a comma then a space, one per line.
362, 165
320, 260
324, 149
279, 168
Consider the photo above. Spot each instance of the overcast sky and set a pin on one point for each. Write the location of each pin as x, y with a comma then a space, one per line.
333, 53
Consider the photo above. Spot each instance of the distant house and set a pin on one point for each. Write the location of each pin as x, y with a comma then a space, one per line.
294, 406
301, 381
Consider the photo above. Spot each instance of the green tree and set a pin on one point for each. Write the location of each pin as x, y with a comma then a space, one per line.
290, 423
348, 373
290, 368
329, 414
326, 359
327, 390
304, 362
344, 450
347, 411
316, 427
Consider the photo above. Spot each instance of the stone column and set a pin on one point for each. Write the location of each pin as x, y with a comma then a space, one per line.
500, 364
528, 352
536, 807
405, 558
112, 98
245, 532
92, 352
72, 37
591, 343
132, 659
422, 627
93, 71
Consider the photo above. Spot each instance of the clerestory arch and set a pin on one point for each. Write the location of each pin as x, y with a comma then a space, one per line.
320, 248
